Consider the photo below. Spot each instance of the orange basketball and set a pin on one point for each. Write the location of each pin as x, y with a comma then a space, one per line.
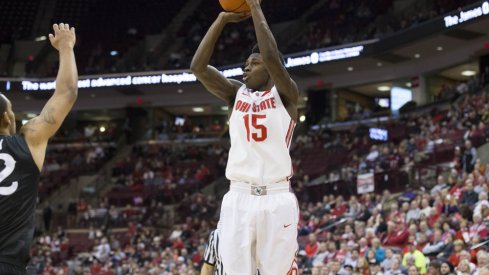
235, 5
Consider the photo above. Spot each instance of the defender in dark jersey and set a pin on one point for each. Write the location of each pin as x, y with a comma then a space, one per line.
22, 156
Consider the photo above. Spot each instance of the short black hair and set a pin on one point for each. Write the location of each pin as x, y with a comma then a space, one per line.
256, 49
452, 268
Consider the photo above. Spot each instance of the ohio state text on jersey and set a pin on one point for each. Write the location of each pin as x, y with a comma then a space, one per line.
261, 130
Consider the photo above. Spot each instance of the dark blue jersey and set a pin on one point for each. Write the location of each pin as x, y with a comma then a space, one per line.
19, 179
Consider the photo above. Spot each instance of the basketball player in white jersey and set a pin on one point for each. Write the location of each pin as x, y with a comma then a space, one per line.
259, 214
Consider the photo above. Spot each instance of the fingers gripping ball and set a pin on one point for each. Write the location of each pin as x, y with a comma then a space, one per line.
235, 5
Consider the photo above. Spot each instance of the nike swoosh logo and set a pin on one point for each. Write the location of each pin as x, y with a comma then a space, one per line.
287, 225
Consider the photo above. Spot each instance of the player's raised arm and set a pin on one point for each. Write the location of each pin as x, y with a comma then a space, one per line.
271, 57
210, 77
39, 129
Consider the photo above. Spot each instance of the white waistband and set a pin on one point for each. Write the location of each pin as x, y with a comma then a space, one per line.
260, 190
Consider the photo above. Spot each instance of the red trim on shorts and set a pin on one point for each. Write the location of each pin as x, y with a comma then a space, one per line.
294, 268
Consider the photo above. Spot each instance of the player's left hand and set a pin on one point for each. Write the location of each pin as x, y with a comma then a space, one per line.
64, 37
253, 3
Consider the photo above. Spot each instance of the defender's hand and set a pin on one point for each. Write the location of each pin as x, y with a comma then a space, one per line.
63, 38
234, 17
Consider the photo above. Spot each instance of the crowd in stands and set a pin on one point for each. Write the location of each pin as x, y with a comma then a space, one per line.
408, 233
389, 233
414, 140
236, 40
17, 19
337, 22
184, 128
66, 162
101, 44
128, 240
424, 229
166, 172
333, 23
91, 133
463, 87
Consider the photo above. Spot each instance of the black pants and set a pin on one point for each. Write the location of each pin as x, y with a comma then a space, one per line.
7, 269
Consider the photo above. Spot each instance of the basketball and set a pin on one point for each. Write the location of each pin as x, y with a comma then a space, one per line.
235, 5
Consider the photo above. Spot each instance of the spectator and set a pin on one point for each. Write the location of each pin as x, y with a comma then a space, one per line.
446, 268
418, 257
483, 271
351, 258
397, 235
413, 270
436, 246
335, 268
102, 251
386, 264
463, 268
434, 268
378, 250
482, 262
465, 256
454, 258
322, 253
414, 212
469, 157
395, 268
478, 228
440, 185
375, 267
447, 249
312, 246
469, 196
362, 266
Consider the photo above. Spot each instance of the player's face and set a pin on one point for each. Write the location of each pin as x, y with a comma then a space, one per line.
255, 73
10, 117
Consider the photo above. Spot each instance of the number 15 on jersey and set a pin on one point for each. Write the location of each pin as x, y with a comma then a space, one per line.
258, 131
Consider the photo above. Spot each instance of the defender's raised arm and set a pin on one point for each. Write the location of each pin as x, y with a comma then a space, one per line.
39, 129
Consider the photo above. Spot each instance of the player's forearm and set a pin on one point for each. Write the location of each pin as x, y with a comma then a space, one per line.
266, 41
67, 79
204, 52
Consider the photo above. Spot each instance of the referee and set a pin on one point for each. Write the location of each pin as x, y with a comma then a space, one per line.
212, 260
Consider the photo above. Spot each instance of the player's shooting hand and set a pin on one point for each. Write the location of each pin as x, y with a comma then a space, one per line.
234, 17
63, 38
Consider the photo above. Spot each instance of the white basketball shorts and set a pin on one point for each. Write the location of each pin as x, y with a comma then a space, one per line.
258, 230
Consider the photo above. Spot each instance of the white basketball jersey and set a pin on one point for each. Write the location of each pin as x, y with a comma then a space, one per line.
261, 131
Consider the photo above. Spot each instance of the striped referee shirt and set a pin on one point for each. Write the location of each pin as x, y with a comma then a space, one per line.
211, 255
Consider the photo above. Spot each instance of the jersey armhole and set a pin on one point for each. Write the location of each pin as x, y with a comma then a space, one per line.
276, 94
28, 150
236, 98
